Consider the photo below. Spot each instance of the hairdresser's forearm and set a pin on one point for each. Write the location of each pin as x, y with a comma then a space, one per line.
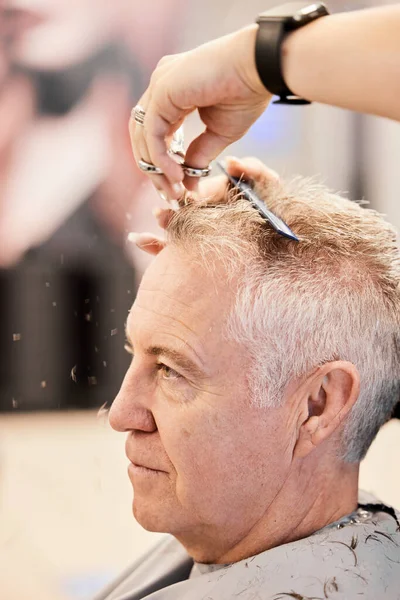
351, 60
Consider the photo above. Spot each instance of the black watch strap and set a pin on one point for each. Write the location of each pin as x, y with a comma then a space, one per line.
273, 26
268, 61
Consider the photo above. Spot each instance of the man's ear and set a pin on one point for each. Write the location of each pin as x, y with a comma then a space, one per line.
328, 395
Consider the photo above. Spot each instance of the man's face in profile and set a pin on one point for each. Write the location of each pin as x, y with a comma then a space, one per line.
211, 460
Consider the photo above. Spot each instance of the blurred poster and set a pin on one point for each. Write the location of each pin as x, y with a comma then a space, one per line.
70, 72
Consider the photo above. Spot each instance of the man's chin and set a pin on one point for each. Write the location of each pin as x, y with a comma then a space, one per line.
149, 518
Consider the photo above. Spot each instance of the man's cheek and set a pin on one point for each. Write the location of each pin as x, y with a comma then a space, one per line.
195, 462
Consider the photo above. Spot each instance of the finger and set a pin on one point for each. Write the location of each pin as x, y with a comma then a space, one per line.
159, 129
191, 183
163, 216
172, 191
140, 150
149, 242
157, 134
204, 149
250, 168
213, 188
167, 190
166, 60
164, 117
136, 129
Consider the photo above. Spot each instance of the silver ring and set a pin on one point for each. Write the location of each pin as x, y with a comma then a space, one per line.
192, 172
176, 150
149, 168
138, 114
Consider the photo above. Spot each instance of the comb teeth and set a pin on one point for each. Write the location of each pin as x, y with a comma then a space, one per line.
276, 222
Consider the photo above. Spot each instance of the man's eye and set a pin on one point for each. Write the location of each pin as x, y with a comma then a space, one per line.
167, 372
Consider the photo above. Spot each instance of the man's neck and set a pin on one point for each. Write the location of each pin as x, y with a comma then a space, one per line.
313, 496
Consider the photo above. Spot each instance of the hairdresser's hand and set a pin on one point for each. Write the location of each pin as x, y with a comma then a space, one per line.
220, 80
250, 168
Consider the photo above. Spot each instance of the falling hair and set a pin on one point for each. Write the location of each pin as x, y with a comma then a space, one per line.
334, 295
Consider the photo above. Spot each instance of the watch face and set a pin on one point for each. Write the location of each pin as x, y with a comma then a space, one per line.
298, 11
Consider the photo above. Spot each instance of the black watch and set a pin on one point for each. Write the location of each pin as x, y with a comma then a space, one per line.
273, 26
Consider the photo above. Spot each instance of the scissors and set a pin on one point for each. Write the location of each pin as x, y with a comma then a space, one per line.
177, 152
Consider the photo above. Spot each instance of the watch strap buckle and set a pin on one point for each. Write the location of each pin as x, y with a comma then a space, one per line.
291, 100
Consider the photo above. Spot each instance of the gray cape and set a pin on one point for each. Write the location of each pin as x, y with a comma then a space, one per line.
358, 556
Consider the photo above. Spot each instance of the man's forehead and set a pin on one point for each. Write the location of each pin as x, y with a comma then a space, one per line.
174, 274
178, 291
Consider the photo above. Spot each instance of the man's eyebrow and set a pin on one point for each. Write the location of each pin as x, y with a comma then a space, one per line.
177, 357
180, 359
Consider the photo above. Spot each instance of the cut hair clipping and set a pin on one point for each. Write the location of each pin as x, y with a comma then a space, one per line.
250, 195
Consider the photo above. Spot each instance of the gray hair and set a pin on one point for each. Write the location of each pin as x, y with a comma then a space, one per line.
335, 295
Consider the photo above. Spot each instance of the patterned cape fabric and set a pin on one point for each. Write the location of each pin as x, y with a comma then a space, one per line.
356, 557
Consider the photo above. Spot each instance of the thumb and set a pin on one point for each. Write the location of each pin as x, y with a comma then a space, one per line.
207, 146
202, 151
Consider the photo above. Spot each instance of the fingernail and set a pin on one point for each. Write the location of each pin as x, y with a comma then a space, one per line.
178, 189
157, 211
133, 237
232, 161
163, 196
175, 205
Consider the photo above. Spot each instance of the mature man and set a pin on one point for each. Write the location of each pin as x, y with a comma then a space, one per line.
262, 370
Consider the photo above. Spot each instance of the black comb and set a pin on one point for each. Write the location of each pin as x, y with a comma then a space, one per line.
250, 195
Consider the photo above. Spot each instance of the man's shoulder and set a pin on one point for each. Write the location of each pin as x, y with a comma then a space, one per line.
358, 555
163, 564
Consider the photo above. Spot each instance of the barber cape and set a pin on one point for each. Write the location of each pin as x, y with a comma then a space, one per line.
355, 557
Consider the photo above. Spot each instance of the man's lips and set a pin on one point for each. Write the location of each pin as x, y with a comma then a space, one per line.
144, 465
141, 457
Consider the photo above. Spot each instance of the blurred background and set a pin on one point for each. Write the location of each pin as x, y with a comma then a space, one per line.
70, 71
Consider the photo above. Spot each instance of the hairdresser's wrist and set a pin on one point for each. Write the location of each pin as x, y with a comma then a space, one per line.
244, 50
304, 68
300, 64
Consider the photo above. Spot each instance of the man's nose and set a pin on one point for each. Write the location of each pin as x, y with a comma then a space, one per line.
130, 411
